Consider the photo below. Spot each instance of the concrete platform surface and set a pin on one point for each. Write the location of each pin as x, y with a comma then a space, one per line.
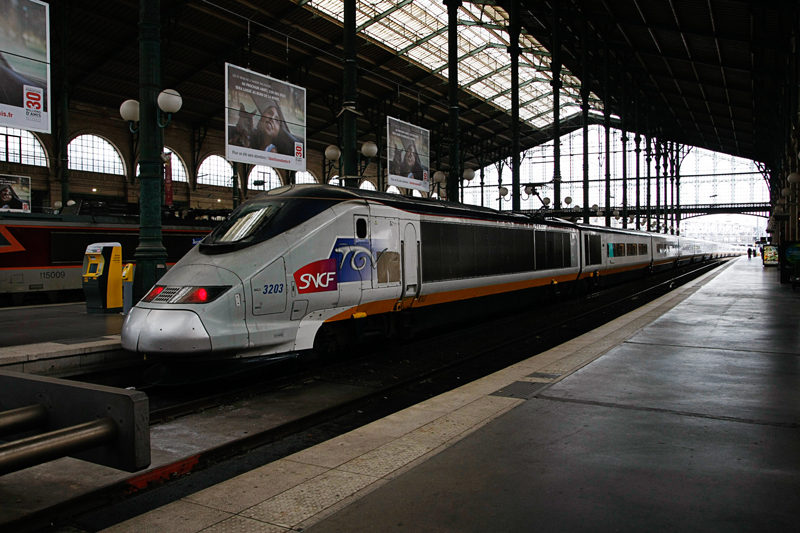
680, 416
55, 323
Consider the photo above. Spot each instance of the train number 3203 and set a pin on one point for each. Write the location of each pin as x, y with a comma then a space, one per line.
53, 274
273, 289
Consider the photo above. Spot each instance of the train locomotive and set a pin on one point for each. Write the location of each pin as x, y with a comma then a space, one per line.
314, 268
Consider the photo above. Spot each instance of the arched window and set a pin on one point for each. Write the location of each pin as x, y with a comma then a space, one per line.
304, 177
20, 146
91, 153
416, 193
178, 168
367, 186
215, 170
266, 176
335, 181
393, 190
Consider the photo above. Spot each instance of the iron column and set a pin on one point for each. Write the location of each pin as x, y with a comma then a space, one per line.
150, 256
349, 96
513, 49
452, 60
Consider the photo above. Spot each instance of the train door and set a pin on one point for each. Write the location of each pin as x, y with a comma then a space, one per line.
353, 254
385, 239
410, 252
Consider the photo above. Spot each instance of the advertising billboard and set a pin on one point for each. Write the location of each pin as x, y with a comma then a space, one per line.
15, 194
769, 255
265, 120
25, 65
408, 155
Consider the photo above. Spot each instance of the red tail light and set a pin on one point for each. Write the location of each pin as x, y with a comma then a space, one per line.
155, 291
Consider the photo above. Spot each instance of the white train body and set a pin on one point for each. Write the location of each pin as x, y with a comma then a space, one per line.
302, 267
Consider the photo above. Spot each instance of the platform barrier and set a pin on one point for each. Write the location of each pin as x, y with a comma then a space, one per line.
95, 423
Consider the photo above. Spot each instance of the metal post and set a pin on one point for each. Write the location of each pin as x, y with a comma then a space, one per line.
678, 191
658, 186
150, 255
349, 96
624, 124
585, 110
513, 49
649, 159
482, 169
638, 159
673, 161
665, 155
236, 169
555, 65
607, 125
64, 130
452, 65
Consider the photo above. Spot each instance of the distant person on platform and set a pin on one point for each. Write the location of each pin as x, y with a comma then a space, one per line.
749, 253
272, 132
9, 198
408, 165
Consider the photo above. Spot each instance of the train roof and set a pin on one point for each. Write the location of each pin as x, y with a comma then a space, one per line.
423, 206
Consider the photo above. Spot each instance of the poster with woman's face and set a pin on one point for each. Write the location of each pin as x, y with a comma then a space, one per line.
265, 120
408, 155
15, 194
25, 65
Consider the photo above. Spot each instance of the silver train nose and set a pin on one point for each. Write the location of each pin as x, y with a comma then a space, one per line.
164, 331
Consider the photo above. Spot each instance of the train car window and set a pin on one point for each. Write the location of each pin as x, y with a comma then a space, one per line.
619, 250
557, 257
482, 260
631, 249
540, 246
466, 251
361, 228
594, 249
431, 251
642, 249
457, 251
449, 267
567, 247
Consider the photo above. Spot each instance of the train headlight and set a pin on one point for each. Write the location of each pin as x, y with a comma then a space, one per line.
185, 295
199, 295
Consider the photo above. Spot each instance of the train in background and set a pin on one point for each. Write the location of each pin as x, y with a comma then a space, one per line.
313, 268
42, 254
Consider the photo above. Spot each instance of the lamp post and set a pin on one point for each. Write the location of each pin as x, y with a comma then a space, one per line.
333, 154
150, 255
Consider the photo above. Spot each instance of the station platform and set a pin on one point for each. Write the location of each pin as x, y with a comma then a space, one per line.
59, 340
683, 415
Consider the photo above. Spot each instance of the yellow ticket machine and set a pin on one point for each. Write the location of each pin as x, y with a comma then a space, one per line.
102, 277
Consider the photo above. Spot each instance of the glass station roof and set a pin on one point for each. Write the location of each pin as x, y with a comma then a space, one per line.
417, 30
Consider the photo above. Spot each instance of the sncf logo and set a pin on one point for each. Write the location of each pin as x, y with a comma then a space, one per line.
319, 276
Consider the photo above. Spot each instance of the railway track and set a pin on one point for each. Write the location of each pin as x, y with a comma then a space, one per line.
389, 380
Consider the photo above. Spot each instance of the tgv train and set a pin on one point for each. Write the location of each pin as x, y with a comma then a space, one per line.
314, 267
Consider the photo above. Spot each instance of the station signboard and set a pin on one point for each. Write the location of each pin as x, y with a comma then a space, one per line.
408, 155
265, 120
25, 65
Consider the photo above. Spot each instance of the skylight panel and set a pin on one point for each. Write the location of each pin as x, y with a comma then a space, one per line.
417, 30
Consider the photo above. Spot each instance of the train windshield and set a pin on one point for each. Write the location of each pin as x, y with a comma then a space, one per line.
246, 222
262, 219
